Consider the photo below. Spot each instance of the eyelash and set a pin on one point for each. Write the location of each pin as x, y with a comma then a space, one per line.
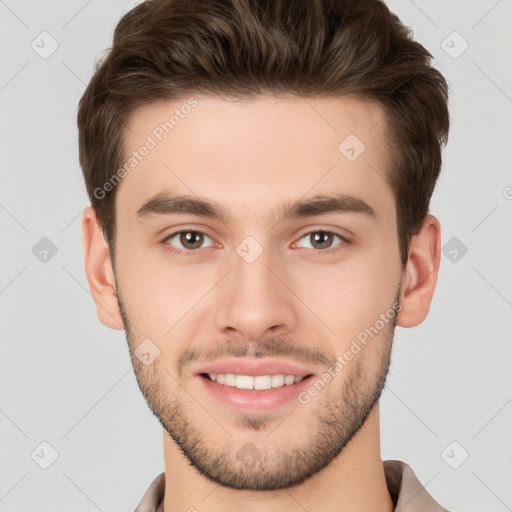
196, 252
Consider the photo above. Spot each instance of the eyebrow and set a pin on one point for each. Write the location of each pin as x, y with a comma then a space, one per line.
168, 204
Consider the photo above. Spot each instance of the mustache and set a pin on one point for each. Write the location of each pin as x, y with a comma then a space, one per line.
276, 346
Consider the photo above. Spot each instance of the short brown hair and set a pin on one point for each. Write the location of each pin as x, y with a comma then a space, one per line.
167, 49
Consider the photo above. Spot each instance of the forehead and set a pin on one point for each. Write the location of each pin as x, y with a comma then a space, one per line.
255, 152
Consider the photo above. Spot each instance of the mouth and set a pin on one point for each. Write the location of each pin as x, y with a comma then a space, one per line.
254, 386
258, 382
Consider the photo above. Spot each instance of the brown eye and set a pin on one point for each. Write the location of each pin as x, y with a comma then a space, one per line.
321, 240
189, 240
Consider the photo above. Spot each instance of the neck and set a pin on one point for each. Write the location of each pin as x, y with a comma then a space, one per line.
354, 481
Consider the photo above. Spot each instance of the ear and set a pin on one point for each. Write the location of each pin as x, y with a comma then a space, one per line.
420, 274
98, 268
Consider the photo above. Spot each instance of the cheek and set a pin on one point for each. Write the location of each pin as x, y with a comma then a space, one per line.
347, 296
155, 293
169, 302
354, 297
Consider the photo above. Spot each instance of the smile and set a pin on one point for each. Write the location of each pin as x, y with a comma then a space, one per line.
258, 382
254, 393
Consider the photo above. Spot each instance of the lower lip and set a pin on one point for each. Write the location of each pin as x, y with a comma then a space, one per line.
255, 399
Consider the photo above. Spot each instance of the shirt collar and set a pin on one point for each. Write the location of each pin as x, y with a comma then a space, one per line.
406, 490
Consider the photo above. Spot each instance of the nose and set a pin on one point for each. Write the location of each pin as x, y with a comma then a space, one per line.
254, 300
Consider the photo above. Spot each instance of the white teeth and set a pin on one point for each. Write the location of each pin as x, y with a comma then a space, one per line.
289, 379
229, 379
258, 382
277, 381
244, 382
263, 382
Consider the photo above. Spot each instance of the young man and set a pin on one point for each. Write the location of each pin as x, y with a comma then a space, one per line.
260, 175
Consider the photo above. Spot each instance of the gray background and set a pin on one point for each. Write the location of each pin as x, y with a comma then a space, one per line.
65, 379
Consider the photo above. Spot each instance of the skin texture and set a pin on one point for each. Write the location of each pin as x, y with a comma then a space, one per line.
295, 302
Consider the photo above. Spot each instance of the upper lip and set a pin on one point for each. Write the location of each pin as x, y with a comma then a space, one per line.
253, 366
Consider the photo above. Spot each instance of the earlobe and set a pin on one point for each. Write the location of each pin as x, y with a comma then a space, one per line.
98, 268
420, 276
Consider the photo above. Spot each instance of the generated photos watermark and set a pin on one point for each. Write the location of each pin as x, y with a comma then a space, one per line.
156, 136
358, 343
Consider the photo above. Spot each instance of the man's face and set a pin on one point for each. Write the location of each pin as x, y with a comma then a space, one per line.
256, 292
